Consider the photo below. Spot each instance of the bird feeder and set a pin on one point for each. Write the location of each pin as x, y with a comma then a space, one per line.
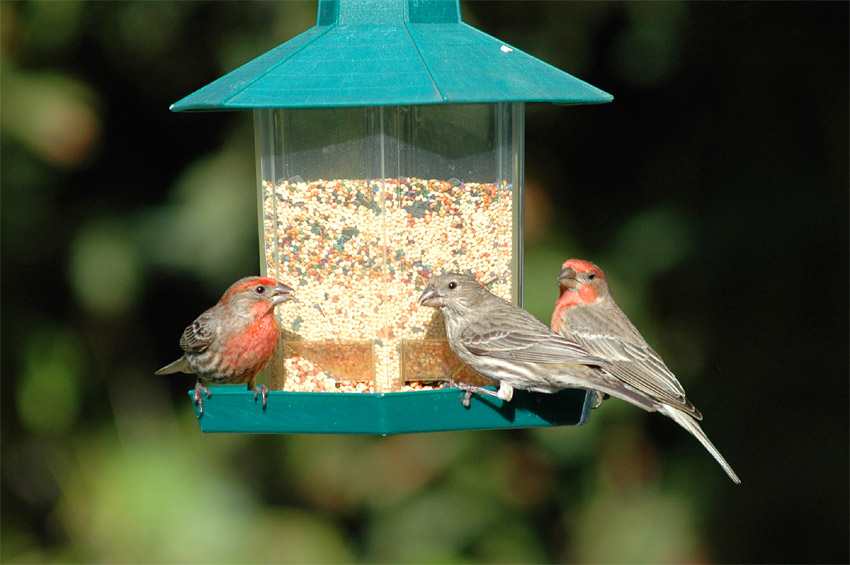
389, 147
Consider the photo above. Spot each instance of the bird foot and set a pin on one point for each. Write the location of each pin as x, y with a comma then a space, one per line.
200, 391
469, 389
505, 392
264, 390
600, 397
465, 399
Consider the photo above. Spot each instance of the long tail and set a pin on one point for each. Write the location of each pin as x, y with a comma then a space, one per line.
179, 366
591, 378
619, 390
693, 427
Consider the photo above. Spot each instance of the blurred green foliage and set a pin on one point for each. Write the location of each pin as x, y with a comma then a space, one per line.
722, 164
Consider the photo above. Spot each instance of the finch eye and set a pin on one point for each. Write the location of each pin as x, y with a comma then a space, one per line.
452, 285
591, 276
260, 289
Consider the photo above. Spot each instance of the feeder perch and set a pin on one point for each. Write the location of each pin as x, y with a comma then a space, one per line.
389, 146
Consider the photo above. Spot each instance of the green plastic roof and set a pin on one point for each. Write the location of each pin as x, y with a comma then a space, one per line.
388, 53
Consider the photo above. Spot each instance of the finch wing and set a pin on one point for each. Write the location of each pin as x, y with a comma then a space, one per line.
513, 333
198, 336
611, 335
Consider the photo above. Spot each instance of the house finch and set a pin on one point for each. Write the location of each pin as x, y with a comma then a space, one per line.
234, 340
586, 312
505, 343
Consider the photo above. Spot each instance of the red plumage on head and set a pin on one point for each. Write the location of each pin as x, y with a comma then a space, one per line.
248, 283
582, 266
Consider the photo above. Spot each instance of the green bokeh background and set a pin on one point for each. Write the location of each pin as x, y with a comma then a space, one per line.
714, 192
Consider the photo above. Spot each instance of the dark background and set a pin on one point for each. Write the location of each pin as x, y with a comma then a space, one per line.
713, 191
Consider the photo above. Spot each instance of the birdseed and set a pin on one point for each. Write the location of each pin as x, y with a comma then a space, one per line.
359, 253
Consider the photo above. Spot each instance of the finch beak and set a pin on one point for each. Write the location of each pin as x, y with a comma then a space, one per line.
282, 293
430, 298
568, 278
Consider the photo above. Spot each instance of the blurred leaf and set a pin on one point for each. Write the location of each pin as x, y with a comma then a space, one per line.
297, 536
105, 271
33, 468
648, 52
509, 540
157, 497
644, 526
346, 472
151, 500
330, 470
434, 527
652, 241
20, 546
53, 114
684, 347
210, 227
569, 446
146, 31
48, 391
52, 26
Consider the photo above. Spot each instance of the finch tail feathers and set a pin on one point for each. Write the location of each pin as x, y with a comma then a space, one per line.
179, 366
619, 390
693, 427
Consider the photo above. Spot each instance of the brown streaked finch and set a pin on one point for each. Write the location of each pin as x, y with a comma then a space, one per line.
587, 313
503, 342
234, 340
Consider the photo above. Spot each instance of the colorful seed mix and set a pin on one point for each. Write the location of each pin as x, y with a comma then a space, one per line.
359, 253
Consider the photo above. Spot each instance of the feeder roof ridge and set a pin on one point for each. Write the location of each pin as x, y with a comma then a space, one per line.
390, 53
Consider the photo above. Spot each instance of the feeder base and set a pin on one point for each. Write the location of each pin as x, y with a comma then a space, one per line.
232, 409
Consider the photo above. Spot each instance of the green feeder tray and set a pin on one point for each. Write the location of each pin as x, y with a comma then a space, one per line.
390, 146
232, 409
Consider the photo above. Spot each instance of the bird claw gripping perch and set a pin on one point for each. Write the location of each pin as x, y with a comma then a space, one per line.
263, 390
600, 398
505, 392
468, 390
200, 391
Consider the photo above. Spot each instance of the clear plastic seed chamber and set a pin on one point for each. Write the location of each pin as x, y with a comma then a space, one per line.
360, 207
389, 149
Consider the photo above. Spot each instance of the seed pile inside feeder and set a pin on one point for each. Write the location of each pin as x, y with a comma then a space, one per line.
359, 253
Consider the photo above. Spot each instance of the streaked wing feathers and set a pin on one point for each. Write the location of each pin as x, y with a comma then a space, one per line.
633, 360
520, 336
198, 336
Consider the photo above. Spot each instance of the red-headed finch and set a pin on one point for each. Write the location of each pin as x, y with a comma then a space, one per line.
234, 340
587, 313
505, 343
